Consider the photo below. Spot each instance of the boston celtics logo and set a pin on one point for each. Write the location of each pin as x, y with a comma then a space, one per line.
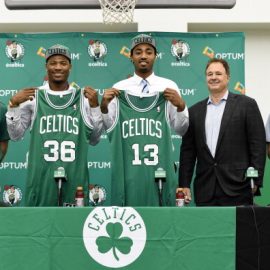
97, 195
97, 49
114, 236
179, 49
12, 195
14, 50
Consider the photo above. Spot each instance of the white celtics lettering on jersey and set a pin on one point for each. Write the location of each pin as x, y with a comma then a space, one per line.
65, 151
141, 127
59, 123
152, 149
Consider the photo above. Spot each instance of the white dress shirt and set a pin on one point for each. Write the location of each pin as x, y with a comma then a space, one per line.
178, 120
267, 129
213, 119
20, 118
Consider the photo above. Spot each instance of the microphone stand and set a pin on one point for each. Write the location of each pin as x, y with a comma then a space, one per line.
252, 187
160, 189
160, 177
60, 177
160, 192
252, 173
59, 197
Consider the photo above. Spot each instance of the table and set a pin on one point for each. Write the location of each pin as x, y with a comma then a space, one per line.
188, 238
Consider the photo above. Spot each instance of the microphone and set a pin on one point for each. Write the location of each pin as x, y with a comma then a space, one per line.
251, 173
59, 177
160, 178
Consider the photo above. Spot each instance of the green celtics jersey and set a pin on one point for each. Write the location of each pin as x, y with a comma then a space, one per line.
141, 143
59, 138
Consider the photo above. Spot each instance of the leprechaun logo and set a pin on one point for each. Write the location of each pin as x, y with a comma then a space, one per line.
97, 49
97, 195
14, 50
12, 195
114, 236
179, 49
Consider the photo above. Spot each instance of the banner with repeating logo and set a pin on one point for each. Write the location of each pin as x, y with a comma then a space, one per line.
100, 60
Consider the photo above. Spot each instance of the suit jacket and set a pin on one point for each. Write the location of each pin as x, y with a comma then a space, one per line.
241, 144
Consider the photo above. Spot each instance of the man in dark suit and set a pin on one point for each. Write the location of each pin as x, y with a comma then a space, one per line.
225, 137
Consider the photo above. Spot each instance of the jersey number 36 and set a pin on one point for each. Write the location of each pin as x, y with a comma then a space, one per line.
65, 151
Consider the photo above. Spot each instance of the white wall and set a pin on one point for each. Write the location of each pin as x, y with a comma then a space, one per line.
257, 68
249, 16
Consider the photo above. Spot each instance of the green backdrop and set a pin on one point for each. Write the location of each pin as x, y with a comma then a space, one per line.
27, 68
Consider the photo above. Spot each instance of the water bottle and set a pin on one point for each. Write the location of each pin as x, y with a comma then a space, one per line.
79, 197
180, 198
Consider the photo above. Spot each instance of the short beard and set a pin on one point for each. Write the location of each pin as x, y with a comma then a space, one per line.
143, 70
